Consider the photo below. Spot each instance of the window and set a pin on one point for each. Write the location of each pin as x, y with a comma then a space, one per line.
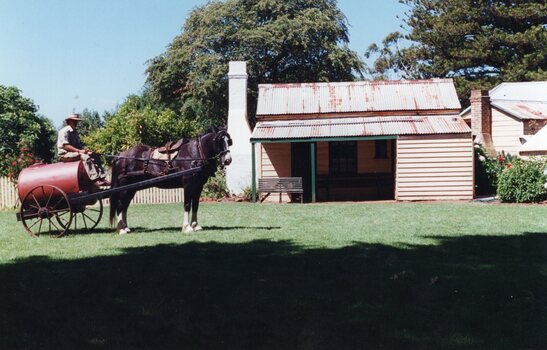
343, 158
380, 149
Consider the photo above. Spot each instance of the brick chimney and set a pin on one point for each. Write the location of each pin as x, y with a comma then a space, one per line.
481, 119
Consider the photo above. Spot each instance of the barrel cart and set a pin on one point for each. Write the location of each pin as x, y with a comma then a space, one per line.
58, 197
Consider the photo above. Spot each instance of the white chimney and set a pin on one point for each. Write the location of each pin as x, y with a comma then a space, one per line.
239, 173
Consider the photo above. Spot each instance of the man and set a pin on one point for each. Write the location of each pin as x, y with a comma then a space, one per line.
70, 148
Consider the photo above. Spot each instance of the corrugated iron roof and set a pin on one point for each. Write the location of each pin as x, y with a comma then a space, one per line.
520, 91
523, 110
359, 127
523, 100
350, 97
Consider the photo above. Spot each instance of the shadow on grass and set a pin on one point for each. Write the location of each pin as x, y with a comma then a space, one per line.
140, 230
464, 293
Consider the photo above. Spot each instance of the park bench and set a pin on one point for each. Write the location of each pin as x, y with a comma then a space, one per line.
280, 185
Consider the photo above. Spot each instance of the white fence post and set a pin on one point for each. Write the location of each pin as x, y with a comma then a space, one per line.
8, 193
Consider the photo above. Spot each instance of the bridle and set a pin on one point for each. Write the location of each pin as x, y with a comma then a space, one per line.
223, 136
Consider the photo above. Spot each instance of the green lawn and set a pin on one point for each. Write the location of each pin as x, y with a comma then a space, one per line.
325, 276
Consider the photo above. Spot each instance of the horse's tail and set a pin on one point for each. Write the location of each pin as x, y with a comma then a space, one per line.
113, 196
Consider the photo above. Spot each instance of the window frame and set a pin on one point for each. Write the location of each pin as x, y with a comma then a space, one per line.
342, 158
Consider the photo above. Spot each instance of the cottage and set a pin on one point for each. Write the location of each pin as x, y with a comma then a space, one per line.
400, 140
508, 116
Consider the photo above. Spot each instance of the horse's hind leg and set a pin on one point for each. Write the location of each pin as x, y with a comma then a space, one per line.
124, 202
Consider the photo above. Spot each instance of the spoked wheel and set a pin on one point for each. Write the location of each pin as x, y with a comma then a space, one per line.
87, 218
45, 209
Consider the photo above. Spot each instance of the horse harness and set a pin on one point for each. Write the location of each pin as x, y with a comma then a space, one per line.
170, 151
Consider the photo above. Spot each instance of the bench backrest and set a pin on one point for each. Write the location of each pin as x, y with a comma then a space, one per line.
280, 184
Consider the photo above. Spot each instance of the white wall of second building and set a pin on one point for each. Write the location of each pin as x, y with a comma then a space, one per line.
239, 173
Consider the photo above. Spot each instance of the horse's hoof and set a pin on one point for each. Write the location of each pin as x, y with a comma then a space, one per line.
187, 229
196, 227
124, 231
127, 230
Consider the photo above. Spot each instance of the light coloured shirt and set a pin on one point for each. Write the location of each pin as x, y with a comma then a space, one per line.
68, 136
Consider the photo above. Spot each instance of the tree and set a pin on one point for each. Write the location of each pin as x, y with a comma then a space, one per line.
24, 134
282, 41
479, 43
136, 121
91, 122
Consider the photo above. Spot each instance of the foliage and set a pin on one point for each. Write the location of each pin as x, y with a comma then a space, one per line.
248, 194
282, 41
479, 43
91, 122
523, 182
15, 163
137, 122
488, 169
21, 127
216, 187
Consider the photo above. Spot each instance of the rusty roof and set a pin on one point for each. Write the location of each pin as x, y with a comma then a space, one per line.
522, 100
522, 109
352, 97
359, 127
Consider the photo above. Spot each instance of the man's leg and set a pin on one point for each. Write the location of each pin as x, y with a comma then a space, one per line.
91, 168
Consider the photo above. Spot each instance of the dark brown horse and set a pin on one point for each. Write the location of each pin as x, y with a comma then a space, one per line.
208, 151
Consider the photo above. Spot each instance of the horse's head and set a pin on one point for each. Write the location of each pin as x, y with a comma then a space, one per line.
223, 141
219, 142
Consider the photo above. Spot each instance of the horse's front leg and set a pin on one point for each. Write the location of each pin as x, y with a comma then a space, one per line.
195, 206
186, 227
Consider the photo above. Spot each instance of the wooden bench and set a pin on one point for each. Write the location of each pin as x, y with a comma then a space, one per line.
280, 185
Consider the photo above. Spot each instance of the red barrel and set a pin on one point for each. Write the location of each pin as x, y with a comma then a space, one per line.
70, 177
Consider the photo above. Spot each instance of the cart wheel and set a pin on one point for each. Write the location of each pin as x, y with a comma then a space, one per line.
87, 218
45, 209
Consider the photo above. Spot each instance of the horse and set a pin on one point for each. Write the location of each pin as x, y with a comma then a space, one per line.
208, 151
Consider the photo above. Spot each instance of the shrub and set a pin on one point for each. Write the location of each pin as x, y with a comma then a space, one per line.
216, 186
488, 169
523, 182
248, 194
14, 164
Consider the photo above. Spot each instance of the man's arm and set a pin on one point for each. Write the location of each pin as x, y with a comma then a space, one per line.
69, 148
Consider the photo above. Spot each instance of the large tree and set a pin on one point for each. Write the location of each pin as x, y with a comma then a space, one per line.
281, 40
479, 43
137, 121
22, 130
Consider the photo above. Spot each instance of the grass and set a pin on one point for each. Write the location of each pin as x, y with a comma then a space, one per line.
344, 276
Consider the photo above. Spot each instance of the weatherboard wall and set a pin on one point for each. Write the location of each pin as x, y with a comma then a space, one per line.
434, 168
506, 132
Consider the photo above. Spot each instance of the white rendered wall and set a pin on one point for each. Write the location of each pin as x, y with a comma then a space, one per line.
239, 173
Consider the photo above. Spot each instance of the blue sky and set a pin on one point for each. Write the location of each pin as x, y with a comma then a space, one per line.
67, 55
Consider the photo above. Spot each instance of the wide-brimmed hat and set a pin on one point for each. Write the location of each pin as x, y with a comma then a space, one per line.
74, 116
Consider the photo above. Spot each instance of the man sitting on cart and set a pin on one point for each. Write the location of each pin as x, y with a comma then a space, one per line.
70, 148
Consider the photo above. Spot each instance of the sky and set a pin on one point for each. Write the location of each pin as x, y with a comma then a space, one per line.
67, 55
